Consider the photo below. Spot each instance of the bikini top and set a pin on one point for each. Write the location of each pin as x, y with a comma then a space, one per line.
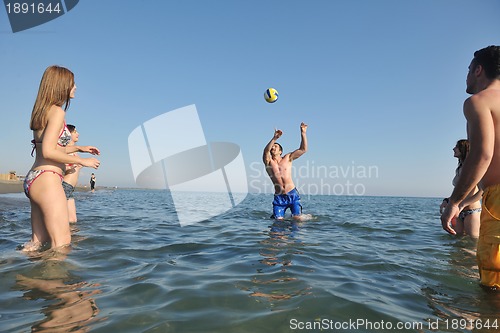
62, 141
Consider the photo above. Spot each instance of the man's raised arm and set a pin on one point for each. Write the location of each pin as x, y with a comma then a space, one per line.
266, 156
303, 143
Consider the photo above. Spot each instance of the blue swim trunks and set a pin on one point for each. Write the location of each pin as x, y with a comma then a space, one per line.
283, 201
68, 190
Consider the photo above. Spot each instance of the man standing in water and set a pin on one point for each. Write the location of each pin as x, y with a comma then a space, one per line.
92, 183
482, 165
279, 169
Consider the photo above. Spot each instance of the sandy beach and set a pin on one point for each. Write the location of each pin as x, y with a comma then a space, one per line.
10, 186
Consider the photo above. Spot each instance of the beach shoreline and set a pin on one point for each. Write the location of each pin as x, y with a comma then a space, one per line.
16, 186
11, 186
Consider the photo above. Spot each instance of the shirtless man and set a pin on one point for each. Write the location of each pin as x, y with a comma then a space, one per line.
279, 169
482, 165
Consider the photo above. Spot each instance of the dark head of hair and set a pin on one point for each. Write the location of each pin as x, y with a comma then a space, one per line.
463, 148
281, 148
489, 59
71, 127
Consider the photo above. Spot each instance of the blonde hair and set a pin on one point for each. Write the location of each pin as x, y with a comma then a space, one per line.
55, 88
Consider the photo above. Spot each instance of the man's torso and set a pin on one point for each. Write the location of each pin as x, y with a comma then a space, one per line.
491, 98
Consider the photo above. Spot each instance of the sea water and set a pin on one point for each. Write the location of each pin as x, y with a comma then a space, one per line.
360, 264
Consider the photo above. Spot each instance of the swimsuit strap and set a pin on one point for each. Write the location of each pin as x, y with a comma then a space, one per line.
33, 145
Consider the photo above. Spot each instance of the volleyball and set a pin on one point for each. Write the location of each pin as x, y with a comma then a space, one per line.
271, 95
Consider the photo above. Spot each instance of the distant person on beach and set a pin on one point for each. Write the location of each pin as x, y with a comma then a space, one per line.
71, 177
92, 182
42, 185
482, 165
279, 169
468, 220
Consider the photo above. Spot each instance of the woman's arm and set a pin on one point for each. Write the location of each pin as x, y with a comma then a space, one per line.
82, 149
471, 198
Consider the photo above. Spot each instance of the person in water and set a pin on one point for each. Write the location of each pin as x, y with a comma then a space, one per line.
482, 165
92, 182
42, 184
279, 169
468, 220
71, 177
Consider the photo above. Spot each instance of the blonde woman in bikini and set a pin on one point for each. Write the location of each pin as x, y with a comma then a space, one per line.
42, 185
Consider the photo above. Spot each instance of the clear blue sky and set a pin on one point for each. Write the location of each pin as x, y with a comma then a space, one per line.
380, 83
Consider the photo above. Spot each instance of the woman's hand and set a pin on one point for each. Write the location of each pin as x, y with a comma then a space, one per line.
91, 162
89, 149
